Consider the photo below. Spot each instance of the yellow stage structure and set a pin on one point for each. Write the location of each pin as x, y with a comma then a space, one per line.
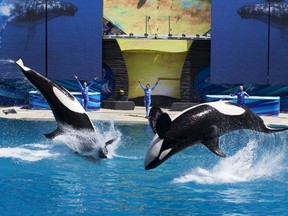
152, 60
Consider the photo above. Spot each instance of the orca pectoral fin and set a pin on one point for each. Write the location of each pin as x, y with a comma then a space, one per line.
109, 142
55, 133
213, 145
103, 152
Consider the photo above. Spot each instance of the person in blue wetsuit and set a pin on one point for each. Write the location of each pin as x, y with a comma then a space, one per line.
147, 95
84, 91
241, 94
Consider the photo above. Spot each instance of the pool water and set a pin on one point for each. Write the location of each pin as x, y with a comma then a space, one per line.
43, 177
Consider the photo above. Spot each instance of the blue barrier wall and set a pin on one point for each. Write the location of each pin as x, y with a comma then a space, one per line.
260, 105
37, 101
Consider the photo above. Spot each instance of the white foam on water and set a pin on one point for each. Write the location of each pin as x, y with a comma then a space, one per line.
28, 152
248, 164
87, 143
7, 61
128, 157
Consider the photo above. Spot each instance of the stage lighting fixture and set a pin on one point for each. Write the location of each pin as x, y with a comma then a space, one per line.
197, 35
183, 35
131, 34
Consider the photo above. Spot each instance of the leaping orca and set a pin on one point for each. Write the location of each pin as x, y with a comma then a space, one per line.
65, 107
203, 123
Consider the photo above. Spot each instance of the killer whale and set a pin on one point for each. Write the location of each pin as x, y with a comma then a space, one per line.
203, 123
67, 111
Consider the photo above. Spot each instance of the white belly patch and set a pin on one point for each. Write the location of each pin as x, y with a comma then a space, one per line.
74, 106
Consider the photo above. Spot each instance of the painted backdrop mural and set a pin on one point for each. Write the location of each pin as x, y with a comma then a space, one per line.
149, 60
186, 16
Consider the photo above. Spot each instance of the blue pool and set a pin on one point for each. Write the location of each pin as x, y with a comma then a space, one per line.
43, 177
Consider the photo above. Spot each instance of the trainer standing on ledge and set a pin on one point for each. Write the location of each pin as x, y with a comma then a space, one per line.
84, 91
147, 95
241, 94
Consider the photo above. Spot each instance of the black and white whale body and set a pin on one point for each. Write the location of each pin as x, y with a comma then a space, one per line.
203, 123
65, 107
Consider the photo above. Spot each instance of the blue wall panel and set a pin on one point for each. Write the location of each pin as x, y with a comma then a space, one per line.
239, 52
73, 45
278, 56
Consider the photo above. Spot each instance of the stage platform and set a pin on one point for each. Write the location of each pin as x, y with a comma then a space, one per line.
37, 101
260, 105
118, 105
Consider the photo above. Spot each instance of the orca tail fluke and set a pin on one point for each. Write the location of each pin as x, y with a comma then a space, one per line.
102, 153
55, 133
20, 63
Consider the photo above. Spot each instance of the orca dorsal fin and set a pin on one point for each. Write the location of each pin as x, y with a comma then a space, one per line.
213, 145
154, 114
160, 122
163, 124
53, 134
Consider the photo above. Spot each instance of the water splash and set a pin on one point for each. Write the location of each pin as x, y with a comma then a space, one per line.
252, 162
9, 68
28, 152
128, 157
87, 143
7, 61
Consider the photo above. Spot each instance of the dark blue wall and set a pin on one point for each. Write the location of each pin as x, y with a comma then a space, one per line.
249, 45
73, 45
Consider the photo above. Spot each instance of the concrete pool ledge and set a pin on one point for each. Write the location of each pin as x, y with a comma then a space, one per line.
137, 115
133, 116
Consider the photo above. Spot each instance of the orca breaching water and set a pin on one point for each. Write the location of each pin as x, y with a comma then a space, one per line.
67, 111
203, 123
